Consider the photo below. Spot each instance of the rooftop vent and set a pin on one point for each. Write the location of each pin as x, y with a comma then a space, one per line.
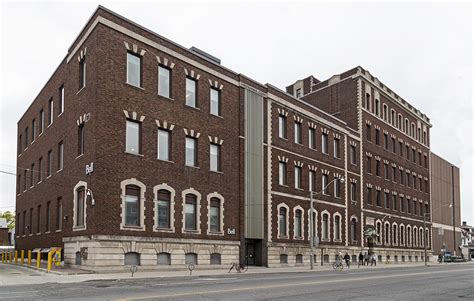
205, 55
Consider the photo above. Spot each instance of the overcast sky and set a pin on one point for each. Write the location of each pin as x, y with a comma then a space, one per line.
421, 51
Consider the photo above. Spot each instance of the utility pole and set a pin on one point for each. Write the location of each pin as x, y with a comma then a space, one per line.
311, 233
424, 238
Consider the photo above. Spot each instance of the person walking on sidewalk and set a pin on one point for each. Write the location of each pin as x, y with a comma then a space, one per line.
374, 259
366, 258
347, 259
361, 259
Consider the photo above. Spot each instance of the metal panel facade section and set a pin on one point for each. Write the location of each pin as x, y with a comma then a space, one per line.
253, 165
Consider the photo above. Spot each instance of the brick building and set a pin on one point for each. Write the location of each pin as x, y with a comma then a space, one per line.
190, 162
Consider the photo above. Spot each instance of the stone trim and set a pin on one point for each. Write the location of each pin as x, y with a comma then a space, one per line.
164, 125
215, 84
298, 163
279, 235
74, 223
325, 212
298, 119
312, 125
334, 227
315, 223
123, 185
353, 143
83, 118
172, 192
191, 133
215, 140
198, 211
325, 131
165, 62
352, 180
82, 55
133, 116
282, 159
312, 167
192, 74
298, 207
221, 213
134, 48
282, 112
325, 172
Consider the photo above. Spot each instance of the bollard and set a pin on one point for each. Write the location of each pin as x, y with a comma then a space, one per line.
38, 260
16, 257
11, 256
29, 257
2, 257
22, 257
50, 259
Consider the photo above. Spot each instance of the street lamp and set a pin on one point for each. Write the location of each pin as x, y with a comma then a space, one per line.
311, 238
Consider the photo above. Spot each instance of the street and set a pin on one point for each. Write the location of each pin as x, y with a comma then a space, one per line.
437, 282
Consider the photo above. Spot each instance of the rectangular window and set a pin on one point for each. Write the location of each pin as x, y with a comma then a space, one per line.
298, 133
427, 187
40, 169
337, 188
33, 130
394, 173
190, 212
49, 167
387, 176
385, 141
282, 173
377, 198
419, 159
324, 143
215, 157
394, 202
23, 228
32, 175
38, 220
311, 138
191, 92
133, 137
80, 206
282, 126
400, 148
215, 220
164, 82
48, 217
41, 121
377, 136
163, 209
18, 184
394, 146
80, 139
408, 152
164, 144
82, 74
413, 155
402, 204
426, 161
408, 179
368, 132
386, 200
369, 165
353, 192
26, 138
427, 209
134, 64
408, 206
369, 195
352, 154
415, 211
26, 179
61, 100
50, 111
30, 224
402, 179
132, 206
20, 141
191, 151
59, 214
324, 184
215, 104
60, 156
297, 177
312, 180
377, 168
336, 148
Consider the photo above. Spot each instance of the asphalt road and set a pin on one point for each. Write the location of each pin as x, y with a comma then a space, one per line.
444, 282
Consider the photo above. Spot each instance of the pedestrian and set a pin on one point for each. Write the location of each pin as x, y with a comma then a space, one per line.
440, 258
366, 259
361, 259
347, 259
374, 259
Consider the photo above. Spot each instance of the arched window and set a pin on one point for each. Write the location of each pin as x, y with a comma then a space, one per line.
421, 238
282, 221
325, 226
409, 236
428, 239
190, 211
353, 229
393, 120
215, 215
337, 227
132, 258
298, 223
191, 258
415, 237
80, 207
215, 258
315, 223
163, 209
406, 125
163, 258
402, 235
379, 232
132, 205
400, 123
387, 234
394, 234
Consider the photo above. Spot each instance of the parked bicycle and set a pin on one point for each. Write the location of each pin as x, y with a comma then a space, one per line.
337, 265
239, 267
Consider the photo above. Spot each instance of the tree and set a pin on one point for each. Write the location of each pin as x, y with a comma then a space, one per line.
10, 217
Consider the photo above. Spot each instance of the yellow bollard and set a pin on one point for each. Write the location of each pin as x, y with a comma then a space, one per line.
38, 260
11, 256
16, 257
2, 257
29, 257
22, 257
50, 259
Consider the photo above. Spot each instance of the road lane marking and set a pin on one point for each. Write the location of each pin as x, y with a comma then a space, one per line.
288, 285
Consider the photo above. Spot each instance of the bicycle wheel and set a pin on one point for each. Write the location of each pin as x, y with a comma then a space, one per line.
335, 265
244, 268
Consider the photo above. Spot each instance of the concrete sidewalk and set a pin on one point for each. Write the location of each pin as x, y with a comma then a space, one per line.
11, 274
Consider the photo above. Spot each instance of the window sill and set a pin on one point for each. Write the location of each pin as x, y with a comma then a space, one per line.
191, 231
217, 172
283, 237
217, 116
139, 155
300, 189
338, 240
135, 87
166, 161
48, 177
38, 233
327, 154
47, 232
191, 107
59, 170
79, 156
170, 230
215, 233
61, 114
49, 125
165, 97
79, 228
57, 231
283, 138
299, 143
80, 90
196, 167
30, 234
283, 185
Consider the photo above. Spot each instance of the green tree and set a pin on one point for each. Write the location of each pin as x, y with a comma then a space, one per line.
10, 217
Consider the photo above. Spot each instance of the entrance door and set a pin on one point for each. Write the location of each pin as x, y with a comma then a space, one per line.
250, 255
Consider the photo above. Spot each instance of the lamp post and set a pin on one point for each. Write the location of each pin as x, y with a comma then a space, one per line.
311, 223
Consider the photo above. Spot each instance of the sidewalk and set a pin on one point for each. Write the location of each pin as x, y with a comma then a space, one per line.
11, 274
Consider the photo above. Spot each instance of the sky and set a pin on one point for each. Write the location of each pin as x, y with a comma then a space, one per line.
422, 51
